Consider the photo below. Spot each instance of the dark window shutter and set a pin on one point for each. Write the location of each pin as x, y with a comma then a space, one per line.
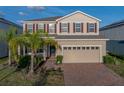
47, 28
55, 28
74, 27
60, 27
44, 28
36, 27
68, 27
95, 27
26, 28
87, 27
82, 26
33, 27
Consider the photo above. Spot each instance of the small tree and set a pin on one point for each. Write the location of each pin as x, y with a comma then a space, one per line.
10, 38
35, 41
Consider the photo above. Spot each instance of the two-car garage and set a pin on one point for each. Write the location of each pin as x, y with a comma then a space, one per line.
82, 50
81, 54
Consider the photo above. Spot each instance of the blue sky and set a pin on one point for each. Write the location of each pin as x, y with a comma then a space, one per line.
17, 14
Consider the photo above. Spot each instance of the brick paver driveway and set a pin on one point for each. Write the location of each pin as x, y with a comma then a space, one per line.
90, 75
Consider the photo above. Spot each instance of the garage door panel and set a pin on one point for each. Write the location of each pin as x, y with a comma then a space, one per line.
81, 56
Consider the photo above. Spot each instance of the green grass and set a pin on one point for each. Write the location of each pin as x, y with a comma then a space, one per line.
55, 77
8, 76
117, 65
119, 69
3, 60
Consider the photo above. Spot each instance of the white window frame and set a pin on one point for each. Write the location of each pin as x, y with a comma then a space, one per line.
30, 28
40, 26
63, 28
52, 28
77, 28
91, 27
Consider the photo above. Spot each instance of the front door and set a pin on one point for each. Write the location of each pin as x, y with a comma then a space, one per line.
52, 50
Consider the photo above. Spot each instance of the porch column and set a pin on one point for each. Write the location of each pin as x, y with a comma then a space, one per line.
44, 52
19, 50
23, 50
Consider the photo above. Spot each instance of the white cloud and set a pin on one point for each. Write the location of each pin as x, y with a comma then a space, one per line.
36, 7
22, 13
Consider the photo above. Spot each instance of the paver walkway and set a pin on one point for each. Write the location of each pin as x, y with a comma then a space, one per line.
90, 75
51, 64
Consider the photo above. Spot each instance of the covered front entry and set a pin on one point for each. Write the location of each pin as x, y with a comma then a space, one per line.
81, 54
52, 50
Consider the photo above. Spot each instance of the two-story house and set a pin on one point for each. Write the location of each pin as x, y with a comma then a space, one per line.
5, 26
77, 33
115, 32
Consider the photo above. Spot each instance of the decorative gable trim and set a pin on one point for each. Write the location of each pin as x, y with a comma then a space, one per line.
78, 12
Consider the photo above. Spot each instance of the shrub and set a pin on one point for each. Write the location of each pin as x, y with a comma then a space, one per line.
59, 59
24, 62
108, 59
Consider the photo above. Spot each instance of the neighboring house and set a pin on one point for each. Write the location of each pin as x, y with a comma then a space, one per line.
115, 32
5, 26
77, 33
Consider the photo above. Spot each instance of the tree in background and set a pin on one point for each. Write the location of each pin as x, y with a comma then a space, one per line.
10, 37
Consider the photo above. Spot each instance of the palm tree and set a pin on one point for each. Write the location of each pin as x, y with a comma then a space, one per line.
36, 40
33, 41
10, 38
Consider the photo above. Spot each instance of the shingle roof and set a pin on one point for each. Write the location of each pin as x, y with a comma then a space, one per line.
113, 25
46, 19
9, 22
78, 36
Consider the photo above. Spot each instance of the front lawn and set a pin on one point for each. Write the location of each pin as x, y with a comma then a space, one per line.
115, 63
9, 76
3, 60
119, 69
55, 77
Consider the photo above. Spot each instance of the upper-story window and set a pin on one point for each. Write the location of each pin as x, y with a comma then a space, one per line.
64, 27
77, 27
30, 28
51, 28
40, 26
91, 27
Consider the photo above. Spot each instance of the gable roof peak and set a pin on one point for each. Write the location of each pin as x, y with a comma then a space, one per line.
78, 11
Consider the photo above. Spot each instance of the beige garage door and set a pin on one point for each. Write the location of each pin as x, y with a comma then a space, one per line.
82, 54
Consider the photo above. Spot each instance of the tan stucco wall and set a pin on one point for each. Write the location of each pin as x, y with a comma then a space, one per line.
77, 17
82, 42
